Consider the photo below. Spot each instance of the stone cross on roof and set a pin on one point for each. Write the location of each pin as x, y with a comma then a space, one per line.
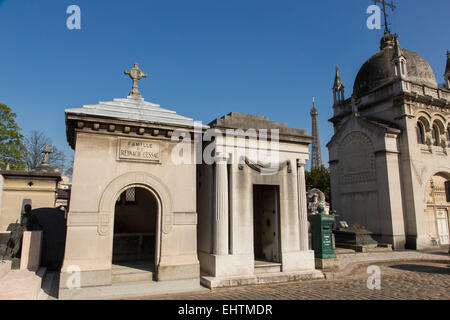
390, 5
135, 74
47, 151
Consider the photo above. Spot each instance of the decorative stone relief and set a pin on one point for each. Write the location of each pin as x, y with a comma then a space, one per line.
167, 224
103, 225
267, 169
419, 170
358, 160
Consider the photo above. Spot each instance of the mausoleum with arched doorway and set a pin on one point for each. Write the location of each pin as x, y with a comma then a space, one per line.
132, 215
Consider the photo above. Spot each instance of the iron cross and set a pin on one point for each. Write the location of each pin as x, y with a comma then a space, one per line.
386, 4
47, 151
135, 74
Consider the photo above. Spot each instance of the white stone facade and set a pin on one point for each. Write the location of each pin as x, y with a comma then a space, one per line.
385, 152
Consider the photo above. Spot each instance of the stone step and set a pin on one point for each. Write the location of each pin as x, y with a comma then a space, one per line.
21, 285
132, 273
267, 267
132, 277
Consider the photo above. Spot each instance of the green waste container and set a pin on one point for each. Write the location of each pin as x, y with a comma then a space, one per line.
322, 235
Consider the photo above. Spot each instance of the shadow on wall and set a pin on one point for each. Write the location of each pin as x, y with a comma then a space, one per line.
54, 225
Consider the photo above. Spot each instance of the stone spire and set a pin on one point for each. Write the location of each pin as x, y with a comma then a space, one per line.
398, 52
447, 68
316, 154
447, 71
338, 88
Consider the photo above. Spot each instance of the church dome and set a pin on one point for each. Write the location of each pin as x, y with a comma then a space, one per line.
378, 70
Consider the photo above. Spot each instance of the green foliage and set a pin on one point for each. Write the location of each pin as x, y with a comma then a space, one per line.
12, 150
319, 178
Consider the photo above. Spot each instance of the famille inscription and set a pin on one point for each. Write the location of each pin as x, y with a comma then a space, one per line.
136, 150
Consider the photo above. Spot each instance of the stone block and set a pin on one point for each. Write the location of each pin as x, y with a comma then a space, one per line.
5, 267
328, 265
31, 250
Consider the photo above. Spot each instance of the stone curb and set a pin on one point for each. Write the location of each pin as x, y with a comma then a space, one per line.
350, 270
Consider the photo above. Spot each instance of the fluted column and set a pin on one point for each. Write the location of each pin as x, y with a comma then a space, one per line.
302, 208
221, 207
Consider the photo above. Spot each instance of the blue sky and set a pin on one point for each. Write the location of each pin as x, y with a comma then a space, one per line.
205, 58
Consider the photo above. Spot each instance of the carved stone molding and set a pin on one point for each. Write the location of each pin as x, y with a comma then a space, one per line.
265, 168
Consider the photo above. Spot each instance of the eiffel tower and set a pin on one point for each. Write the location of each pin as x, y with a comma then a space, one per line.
316, 154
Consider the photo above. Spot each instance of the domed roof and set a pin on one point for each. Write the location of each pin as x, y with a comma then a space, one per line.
378, 70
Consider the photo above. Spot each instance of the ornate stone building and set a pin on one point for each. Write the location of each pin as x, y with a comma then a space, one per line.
389, 156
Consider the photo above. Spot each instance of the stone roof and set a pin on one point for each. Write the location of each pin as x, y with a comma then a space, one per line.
389, 126
40, 172
236, 120
378, 70
135, 109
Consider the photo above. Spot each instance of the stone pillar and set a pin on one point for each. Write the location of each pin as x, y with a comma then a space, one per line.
221, 207
2, 182
302, 208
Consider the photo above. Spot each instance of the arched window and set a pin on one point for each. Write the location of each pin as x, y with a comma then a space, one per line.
448, 135
436, 135
420, 133
396, 68
403, 67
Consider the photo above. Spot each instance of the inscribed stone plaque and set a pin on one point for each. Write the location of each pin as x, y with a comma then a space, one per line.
139, 150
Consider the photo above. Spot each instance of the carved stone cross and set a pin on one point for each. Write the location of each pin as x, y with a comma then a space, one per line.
135, 74
47, 151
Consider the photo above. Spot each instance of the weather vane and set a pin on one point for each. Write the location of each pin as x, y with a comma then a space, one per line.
386, 4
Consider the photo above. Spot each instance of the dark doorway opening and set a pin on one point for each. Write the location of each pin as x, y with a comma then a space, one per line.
135, 221
266, 223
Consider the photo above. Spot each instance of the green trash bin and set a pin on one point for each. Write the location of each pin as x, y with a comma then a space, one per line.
322, 235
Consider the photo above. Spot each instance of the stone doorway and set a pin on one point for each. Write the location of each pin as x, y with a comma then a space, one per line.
442, 226
266, 234
134, 244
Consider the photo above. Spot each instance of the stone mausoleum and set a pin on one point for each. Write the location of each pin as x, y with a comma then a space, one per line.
148, 210
133, 212
252, 203
389, 156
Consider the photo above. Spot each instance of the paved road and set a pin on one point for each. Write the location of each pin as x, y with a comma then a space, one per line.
399, 281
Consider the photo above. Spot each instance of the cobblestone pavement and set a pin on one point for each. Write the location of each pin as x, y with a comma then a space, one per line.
399, 281
347, 260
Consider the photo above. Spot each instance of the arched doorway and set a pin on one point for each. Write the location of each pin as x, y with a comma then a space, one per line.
438, 209
135, 231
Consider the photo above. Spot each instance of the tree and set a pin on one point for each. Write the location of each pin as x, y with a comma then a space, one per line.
12, 149
319, 178
35, 142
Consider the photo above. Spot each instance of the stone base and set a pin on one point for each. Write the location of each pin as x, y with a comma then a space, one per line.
130, 290
178, 272
327, 265
221, 282
21, 285
5, 267
366, 248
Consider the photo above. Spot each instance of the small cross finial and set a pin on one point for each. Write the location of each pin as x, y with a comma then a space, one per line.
47, 151
135, 74
386, 4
